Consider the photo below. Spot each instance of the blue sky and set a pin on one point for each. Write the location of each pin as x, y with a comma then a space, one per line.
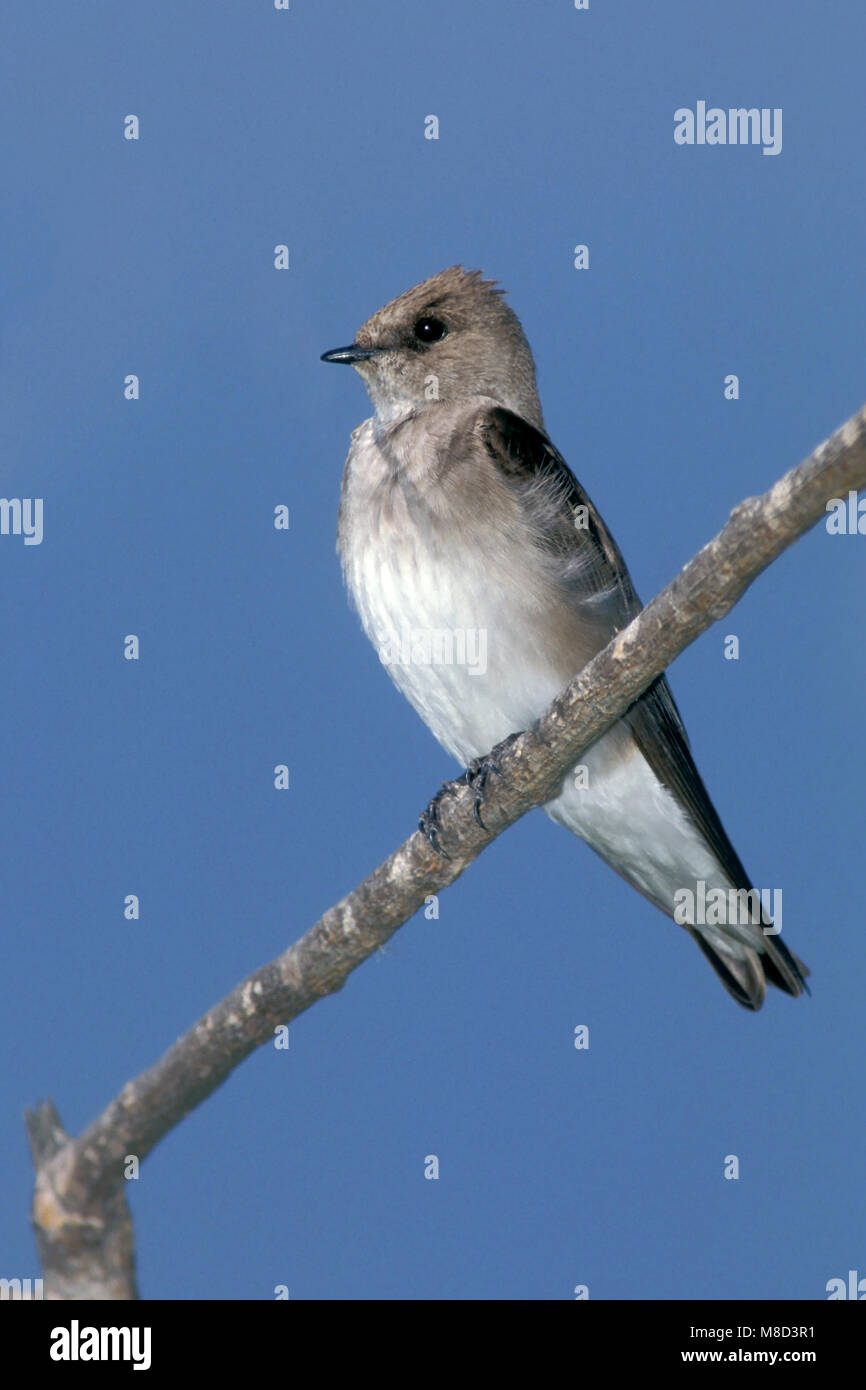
155, 257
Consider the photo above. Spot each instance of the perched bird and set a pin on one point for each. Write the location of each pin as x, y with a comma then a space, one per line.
486, 579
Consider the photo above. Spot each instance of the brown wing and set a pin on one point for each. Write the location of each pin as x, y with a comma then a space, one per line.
595, 576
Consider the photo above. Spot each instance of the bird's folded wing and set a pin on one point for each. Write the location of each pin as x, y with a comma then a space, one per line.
593, 576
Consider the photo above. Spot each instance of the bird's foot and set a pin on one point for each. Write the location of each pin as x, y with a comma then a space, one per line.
478, 773
428, 821
476, 778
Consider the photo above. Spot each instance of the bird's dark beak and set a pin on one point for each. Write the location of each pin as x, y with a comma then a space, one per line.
351, 354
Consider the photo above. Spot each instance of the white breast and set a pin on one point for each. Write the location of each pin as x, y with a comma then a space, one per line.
454, 627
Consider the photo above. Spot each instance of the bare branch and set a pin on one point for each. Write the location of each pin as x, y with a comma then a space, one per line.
87, 1252
79, 1182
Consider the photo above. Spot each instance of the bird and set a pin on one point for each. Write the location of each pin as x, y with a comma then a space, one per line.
459, 517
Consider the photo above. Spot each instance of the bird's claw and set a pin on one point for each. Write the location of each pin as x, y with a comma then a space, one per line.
428, 821
478, 773
476, 778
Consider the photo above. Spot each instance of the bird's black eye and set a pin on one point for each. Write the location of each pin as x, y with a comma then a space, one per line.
429, 330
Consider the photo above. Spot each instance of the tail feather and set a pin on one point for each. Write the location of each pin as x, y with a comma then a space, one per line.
783, 969
745, 975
